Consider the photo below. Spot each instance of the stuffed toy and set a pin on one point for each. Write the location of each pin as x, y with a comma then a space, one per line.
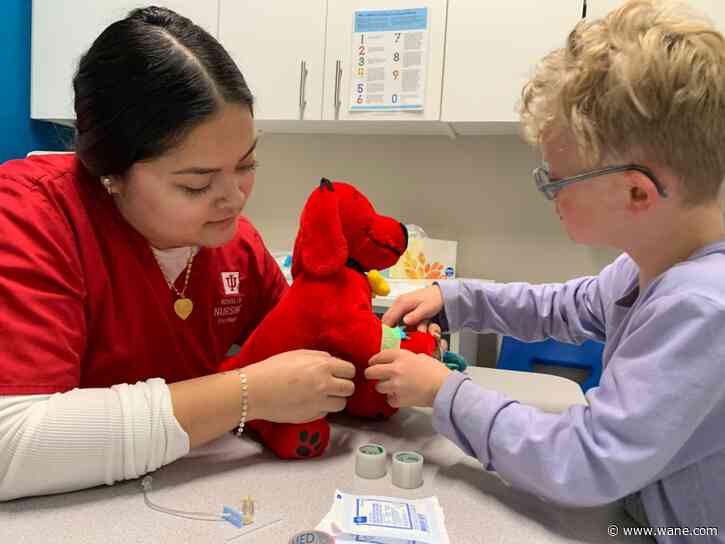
341, 244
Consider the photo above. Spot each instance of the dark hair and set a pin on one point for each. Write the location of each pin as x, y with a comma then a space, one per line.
146, 81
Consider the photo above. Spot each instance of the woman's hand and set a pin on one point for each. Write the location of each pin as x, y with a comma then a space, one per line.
415, 308
406, 378
299, 386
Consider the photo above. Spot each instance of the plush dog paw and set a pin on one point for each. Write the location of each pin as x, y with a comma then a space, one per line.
297, 441
309, 444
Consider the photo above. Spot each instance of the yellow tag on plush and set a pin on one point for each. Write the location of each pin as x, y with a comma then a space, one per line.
378, 284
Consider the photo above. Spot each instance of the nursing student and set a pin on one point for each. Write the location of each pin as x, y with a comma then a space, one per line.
630, 118
127, 271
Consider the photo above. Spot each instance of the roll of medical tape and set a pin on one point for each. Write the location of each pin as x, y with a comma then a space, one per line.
371, 461
312, 537
407, 469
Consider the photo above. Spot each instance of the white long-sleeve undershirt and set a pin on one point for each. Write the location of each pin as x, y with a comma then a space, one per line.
88, 437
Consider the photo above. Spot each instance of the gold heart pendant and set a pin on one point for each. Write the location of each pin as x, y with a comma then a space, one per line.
183, 307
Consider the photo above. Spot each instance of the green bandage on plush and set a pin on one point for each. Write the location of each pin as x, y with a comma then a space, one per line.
391, 338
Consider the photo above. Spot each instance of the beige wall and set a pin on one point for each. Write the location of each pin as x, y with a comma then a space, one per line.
477, 190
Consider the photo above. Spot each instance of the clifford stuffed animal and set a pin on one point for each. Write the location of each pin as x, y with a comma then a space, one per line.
341, 241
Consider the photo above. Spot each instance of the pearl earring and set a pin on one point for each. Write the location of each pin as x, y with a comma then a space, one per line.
106, 180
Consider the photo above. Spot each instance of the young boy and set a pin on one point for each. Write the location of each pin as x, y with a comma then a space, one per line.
630, 116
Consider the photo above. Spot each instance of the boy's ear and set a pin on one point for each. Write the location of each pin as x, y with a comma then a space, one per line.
642, 192
320, 247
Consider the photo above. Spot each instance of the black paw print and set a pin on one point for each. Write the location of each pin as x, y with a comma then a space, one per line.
306, 448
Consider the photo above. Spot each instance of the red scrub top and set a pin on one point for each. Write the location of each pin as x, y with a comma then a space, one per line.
83, 302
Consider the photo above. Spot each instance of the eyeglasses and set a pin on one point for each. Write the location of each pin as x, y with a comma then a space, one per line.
549, 187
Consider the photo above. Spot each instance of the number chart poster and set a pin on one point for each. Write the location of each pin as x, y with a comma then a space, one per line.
389, 60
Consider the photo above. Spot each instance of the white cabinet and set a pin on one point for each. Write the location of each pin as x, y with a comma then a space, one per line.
63, 30
491, 51
297, 56
713, 9
339, 60
279, 46
599, 8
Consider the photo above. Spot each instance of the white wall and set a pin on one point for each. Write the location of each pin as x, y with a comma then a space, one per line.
477, 190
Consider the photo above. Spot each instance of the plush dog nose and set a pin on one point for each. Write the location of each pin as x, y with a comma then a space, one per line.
405, 233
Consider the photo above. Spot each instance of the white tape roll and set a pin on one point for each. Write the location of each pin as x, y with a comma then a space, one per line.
407, 469
312, 537
371, 461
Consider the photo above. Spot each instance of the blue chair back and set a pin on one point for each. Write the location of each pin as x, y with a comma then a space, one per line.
518, 355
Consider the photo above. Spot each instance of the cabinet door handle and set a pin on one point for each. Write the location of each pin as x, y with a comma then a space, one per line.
338, 78
303, 88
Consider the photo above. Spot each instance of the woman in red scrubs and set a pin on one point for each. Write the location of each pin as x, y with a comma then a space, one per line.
127, 271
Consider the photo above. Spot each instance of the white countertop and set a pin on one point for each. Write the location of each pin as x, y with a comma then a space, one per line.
479, 508
549, 393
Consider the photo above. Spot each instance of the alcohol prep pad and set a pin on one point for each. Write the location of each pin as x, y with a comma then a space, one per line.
394, 519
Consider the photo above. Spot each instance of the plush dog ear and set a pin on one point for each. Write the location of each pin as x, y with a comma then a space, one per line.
320, 247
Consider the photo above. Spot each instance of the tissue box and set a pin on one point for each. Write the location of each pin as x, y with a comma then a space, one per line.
427, 258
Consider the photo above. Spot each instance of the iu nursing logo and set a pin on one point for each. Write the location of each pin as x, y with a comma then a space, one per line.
230, 306
230, 280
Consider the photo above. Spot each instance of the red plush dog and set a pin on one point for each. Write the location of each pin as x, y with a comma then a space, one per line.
329, 308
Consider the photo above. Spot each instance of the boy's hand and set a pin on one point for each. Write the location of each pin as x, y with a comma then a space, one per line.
406, 378
415, 307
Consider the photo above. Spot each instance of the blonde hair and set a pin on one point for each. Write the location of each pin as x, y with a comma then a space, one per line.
646, 82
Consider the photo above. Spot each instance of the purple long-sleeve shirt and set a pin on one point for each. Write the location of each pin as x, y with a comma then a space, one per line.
655, 424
